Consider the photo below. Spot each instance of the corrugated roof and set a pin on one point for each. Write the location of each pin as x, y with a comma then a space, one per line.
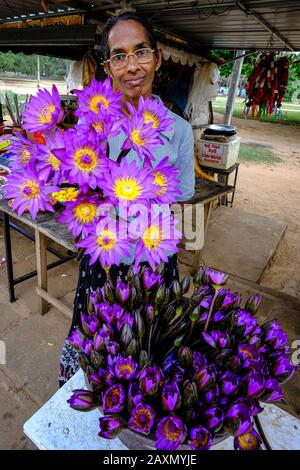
215, 24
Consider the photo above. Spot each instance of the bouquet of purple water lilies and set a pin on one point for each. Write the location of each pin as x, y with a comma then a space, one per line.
180, 370
117, 208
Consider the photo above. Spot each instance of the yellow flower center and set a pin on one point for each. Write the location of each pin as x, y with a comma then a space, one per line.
85, 212
152, 237
126, 369
31, 190
127, 188
96, 101
25, 156
136, 137
247, 441
151, 117
53, 161
160, 180
106, 240
85, 159
98, 126
142, 419
171, 431
46, 113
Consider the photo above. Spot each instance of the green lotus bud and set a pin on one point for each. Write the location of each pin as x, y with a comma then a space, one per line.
195, 314
130, 274
139, 323
160, 295
126, 335
178, 341
190, 394
133, 349
97, 360
83, 362
90, 307
108, 293
137, 284
185, 284
179, 310
177, 291
143, 359
198, 277
185, 357
161, 269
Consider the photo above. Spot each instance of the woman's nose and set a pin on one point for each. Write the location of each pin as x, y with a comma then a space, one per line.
133, 64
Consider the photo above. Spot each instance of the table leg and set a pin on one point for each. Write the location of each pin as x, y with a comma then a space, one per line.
198, 253
8, 254
41, 266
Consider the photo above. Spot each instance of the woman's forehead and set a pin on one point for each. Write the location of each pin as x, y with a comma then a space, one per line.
126, 36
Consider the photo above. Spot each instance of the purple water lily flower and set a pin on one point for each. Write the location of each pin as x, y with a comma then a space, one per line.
80, 215
151, 379
275, 336
110, 426
83, 400
253, 303
24, 152
229, 383
255, 384
215, 277
122, 291
151, 280
283, 369
165, 178
214, 418
170, 396
142, 419
248, 354
200, 438
134, 395
229, 299
238, 417
101, 339
155, 113
98, 97
205, 378
76, 339
206, 301
82, 160
43, 112
28, 192
107, 245
112, 348
216, 339
101, 125
140, 136
88, 346
90, 324
125, 368
246, 323
114, 399
48, 164
272, 391
170, 433
212, 396
248, 441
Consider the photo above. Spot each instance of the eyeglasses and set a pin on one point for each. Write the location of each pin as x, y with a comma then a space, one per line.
119, 61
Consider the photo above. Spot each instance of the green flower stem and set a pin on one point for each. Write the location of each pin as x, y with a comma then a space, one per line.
211, 307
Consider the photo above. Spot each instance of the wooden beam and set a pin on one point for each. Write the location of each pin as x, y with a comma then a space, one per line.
55, 302
41, 266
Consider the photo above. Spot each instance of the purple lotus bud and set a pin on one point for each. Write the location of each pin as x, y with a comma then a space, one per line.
122, 291
114, 399
206, 301
90, 324
199, 361
255, 385
126, 335
185, 356
212, 396
275, 336
110, 426
213, 418
205, 378
149, 314
245, 322
201, 293
125, 318
238, 300
142, 419
283, 369
101, 339
170, 433
215, 277
248, 441
83, 400
135, 396
87, 347
273, 392
238, 417
125, 368
112, 348
151, 379
106, 313
228, 300
190, 394
253, 303
77, 339
255, 341
200, 438
151, 280
229, 384
216, 339
170, 397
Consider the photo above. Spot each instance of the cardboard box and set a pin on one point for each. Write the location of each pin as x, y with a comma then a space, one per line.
219, 154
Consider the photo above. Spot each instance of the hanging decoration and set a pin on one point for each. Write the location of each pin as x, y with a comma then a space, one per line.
267, 85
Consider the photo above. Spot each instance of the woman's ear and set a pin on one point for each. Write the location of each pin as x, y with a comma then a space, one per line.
158, 59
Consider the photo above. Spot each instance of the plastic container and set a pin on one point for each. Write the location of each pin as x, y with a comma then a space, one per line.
220, 155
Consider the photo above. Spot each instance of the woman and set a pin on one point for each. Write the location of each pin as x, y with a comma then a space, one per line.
131, 58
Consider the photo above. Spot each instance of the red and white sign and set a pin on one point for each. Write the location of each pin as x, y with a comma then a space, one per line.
212, 152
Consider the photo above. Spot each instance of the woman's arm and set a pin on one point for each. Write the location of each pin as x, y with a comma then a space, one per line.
185, 164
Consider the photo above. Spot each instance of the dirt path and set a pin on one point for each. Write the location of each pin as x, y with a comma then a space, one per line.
274, 190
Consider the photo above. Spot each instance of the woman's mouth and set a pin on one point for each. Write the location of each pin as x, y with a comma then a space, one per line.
137, 81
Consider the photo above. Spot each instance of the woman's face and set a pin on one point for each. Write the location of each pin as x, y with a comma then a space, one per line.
135, 79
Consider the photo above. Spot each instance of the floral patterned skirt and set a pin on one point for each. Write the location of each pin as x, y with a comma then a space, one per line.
90, 278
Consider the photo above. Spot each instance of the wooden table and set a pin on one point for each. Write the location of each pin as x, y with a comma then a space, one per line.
46, 226
56, 426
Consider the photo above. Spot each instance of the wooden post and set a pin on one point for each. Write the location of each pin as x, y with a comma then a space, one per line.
41, 266
235, 78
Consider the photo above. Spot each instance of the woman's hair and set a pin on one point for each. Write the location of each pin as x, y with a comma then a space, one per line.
123, 17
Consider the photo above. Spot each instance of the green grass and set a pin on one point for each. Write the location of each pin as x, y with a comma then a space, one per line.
257, 154
290, 111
